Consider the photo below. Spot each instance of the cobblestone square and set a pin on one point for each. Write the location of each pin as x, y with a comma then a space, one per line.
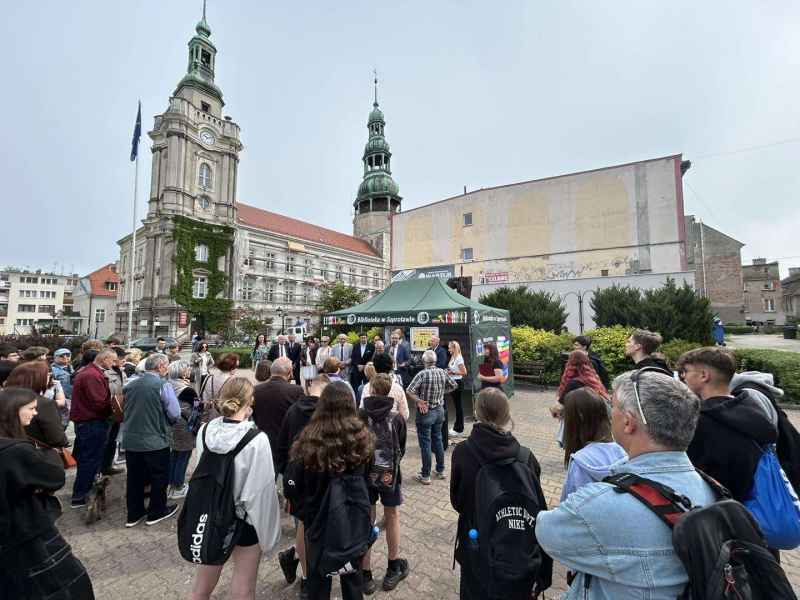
143, 563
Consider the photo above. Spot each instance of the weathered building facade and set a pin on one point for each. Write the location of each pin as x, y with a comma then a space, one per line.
790, 288
95, 299
762, 293
716, 260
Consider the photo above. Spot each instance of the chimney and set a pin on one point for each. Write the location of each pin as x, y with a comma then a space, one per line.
759, 261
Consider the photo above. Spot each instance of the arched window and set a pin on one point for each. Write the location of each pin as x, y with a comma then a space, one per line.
204, 177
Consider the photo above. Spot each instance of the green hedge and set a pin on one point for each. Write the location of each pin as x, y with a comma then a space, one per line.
785, 366
245, 355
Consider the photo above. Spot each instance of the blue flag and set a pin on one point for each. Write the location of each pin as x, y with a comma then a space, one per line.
137, 133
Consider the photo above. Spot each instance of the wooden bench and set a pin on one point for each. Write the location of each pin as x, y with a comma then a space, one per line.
530, 372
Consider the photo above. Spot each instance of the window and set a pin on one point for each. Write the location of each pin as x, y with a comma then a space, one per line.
29, 280
204, 177
25, 322
139, 258
140, 289
466, 254
352, 277
270, 293
375, 282
307, 268
47, 308
290, 264
123, 263
199, 289
205, 107
604, 272
270, 261
324, 271
769, 305
288, 291
201, 253
338, 272
769, 285
28, 294
248, 290
364, 278
307, 294
111, 286
100, 315
203, 202
49, 281
467, 219
51, 295
26, 308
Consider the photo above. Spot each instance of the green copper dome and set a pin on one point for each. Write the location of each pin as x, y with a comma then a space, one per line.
376, 116
378, 184
376, 143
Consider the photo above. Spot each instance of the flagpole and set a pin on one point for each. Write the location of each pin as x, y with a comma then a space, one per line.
133, 240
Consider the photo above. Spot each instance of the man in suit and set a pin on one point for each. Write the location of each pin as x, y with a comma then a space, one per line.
441, 352
361, 355
343, 350
279, 349
400, 355
273, 398
293, 352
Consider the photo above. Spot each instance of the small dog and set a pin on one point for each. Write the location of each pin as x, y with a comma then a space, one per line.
96, 499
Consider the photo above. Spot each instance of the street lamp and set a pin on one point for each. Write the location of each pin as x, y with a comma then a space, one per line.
280, 316
579, 295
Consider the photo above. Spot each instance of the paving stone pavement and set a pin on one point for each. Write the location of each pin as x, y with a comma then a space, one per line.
143, 563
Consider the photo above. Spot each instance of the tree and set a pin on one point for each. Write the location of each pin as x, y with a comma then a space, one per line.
336, 296
252, 322
538, 309
617, 305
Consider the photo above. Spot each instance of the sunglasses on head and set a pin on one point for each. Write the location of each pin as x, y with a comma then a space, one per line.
635, 378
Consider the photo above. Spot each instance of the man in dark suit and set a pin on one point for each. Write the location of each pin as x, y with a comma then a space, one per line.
361, 355
273, 398
400, 355
278, 349
293, 350
441, 352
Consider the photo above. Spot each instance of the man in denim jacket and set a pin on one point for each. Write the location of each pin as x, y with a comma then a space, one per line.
619, 549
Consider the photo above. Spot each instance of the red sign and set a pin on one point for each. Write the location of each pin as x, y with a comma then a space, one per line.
183, 318
501, 277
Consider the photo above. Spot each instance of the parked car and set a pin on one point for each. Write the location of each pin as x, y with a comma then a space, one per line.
148, 344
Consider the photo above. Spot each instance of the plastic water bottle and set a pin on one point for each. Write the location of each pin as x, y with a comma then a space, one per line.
373, 535
472, 543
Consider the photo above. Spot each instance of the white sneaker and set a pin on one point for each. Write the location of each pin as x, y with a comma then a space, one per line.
454, 433
180, 492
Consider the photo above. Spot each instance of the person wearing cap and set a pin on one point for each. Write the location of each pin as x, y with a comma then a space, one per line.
63, 373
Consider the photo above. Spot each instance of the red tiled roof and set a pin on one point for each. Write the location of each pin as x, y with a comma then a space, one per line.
99, 278
270, 221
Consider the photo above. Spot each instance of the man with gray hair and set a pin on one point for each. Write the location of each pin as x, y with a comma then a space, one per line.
427, 390
617, 546
151, 408
272, 399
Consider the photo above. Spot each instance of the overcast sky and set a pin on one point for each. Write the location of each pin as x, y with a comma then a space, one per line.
474, 93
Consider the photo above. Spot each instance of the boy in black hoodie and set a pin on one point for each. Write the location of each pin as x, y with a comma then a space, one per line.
297, 417
377, 408
723, 441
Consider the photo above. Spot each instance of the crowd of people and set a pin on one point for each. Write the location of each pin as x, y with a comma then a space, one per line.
322, 434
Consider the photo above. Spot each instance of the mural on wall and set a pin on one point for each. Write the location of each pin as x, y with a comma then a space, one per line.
520, 272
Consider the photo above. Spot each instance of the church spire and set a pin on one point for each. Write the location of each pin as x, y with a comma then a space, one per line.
375, 73
202, 59
202, 26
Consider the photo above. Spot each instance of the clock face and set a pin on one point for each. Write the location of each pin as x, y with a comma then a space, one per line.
207, 137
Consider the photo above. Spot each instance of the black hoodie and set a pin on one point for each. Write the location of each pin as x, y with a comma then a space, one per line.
727, 439
651, 361
491, 446
378, 408
297, 417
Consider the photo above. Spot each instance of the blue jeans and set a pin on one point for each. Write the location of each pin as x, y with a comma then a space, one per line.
178, 461
430, 424
90, 443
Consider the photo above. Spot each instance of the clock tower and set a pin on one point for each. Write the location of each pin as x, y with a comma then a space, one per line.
193, 181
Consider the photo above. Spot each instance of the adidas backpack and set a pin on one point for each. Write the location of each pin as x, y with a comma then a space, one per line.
720, 545
386, 458
506, 558
208, 527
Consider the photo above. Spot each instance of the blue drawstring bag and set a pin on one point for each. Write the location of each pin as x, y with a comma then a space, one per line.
774, 503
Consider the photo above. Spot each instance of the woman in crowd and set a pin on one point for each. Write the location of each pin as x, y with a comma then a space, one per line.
335, 442
37, 562
490, 440
254, 491
332, 368
260, 350
457, 370
183, 440
589, 449
491, 372
202, 361
383, 363
212, 386
132, 358
369, 373
323, 353
46, 429
308, 362
578, 373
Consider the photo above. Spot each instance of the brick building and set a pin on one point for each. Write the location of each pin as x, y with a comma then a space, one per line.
716, 260
762, 293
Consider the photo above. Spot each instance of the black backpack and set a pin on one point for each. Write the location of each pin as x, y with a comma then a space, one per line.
720, 545
386, 458
506, 558
788, 445
341, 532
208, 527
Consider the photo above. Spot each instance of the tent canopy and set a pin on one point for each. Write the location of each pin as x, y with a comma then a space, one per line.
432, 298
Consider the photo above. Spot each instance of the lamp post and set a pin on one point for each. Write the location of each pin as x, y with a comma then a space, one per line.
579, 295
280, 316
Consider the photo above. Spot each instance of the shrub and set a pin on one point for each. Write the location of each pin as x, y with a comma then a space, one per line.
536, 309
785, 366
738, 329
617, 305
609, 343
529, 344
673, 350
245, 357
51, 342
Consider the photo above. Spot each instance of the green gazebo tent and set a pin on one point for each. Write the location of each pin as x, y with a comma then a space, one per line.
421, 306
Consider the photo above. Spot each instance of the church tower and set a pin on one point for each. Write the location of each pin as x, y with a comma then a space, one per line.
184, 257
378, 195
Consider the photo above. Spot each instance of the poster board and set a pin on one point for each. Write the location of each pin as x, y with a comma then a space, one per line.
420, 337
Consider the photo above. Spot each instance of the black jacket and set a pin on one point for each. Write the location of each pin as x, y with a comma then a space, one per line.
600, 369
46, 427
297, 417
726, 441
28, 477
271, 401
305, 489
490, 446
649, 361
378, 408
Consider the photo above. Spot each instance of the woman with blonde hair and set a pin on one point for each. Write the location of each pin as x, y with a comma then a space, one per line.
457, 370
254, 490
